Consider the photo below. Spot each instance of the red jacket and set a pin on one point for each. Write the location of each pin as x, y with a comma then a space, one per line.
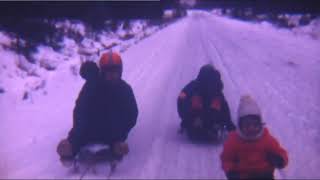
249, 157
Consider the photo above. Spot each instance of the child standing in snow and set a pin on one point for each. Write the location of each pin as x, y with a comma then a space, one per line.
251, 152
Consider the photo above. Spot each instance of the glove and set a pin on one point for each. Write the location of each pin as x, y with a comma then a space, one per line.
232, 175
276, 160
64, 149
120, 148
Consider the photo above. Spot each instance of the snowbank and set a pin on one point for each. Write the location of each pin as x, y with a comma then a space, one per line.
312, 30
5, 40
299, 24
21, 76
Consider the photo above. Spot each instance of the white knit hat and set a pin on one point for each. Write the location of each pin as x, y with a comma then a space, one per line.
248, 106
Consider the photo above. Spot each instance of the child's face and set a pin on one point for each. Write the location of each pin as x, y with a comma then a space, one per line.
111, 74
250, 126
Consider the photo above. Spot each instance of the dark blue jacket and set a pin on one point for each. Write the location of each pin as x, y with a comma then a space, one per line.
207, 89
104, 112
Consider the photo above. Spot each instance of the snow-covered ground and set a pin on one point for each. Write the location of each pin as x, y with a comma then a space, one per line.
300, 24
312, 30
23, 77
276, 67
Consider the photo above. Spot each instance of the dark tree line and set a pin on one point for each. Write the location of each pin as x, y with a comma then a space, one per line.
32, 20
25, 19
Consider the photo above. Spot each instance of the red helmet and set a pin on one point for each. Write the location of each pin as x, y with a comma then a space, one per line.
110, 60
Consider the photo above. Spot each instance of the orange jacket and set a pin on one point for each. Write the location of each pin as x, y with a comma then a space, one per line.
249, 157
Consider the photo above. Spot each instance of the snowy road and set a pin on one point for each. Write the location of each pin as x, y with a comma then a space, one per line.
278, 69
